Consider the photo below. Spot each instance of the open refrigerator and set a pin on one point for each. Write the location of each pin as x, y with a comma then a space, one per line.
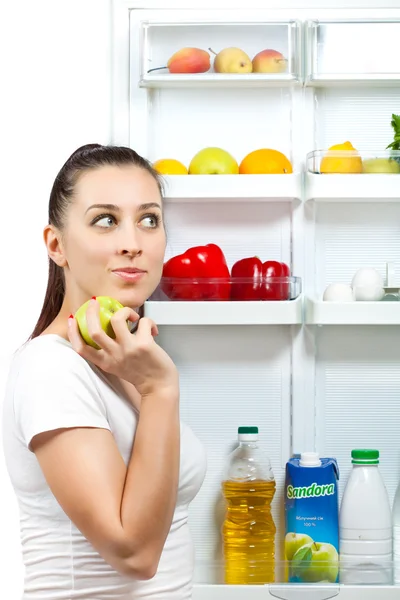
312, 375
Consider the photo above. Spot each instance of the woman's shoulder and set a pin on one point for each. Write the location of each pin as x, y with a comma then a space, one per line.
46, 350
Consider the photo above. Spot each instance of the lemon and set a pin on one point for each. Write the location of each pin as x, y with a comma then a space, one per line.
170, 166
347, 160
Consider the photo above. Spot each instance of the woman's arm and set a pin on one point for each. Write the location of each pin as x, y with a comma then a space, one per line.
124, 512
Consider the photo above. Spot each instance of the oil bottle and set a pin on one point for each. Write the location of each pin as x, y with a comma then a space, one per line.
248, 530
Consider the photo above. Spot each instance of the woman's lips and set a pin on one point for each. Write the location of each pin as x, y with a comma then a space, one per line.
130, 275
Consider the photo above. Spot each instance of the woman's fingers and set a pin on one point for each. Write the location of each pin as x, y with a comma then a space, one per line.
120, 325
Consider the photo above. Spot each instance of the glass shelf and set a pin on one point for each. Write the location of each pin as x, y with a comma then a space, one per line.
345, 176
161, 40
352, 52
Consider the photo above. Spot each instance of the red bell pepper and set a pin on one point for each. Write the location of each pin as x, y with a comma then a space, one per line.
199, 265
260, 284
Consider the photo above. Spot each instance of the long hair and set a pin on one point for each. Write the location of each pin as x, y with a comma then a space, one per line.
85, 158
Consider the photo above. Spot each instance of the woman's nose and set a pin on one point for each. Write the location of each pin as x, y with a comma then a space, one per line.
128, 242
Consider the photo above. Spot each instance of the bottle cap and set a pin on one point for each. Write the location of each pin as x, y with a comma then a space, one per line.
248, 434
310, 459
365, 457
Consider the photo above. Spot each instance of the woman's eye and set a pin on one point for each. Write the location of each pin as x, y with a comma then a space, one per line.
104, 221
150, 221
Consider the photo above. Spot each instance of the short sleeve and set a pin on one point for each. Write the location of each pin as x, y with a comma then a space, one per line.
56, 388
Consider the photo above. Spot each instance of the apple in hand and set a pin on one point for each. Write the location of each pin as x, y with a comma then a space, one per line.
294, 541
318, 561
108, 307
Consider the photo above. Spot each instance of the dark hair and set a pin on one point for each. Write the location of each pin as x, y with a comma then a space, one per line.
90, 156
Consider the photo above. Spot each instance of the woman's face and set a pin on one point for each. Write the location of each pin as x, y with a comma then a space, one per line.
114, 240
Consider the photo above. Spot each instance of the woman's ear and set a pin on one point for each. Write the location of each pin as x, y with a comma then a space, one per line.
55, 249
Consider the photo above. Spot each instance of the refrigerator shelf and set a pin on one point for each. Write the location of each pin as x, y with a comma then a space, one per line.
220, 80
339, 52
225, 313
301, 592
318, 312
352, 187
160, 40
189, 188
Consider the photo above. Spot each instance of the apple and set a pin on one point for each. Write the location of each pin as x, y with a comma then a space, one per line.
294, 541
213, 161
318, 561
380, 165
232, 60
269, 61
108, 307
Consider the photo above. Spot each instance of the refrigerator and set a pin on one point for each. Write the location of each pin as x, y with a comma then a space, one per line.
313, 375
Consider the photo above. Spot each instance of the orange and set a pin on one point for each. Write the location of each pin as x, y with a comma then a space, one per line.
344, 159
170, 166
265, 161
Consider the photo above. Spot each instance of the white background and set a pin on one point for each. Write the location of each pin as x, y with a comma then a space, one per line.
55, 96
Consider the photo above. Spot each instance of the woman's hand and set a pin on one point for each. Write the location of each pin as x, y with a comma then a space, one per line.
133, 357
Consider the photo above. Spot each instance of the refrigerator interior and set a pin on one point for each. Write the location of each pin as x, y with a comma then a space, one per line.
308, 385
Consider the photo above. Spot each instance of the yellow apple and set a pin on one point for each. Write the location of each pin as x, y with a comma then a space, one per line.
213, 161
232, 60
380, 165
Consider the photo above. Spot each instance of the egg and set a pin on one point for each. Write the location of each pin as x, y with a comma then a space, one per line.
338, 292
368, 285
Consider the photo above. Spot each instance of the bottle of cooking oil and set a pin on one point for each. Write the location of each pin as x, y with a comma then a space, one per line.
248, 530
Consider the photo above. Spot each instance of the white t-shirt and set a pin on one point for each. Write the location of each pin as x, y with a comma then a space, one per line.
49, 387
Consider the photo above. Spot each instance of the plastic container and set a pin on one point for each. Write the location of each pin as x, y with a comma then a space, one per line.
396, 535
248, 530
365, 524
312, 519
353, 162
232, 289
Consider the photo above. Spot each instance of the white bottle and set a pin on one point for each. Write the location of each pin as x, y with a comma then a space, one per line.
365, 524
396, 535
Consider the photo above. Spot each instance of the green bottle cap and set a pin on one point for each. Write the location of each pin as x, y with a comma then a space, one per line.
365, 457
248, 430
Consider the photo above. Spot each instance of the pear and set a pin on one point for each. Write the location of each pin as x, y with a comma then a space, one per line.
232, 60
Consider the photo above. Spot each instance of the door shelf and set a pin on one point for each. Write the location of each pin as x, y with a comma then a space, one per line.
233, 187
352, 187
318, 312
225, 313
159, 41
330, 63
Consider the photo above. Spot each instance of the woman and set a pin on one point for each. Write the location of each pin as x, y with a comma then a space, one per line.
101, 465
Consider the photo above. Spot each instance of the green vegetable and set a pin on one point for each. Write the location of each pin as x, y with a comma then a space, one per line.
395, 145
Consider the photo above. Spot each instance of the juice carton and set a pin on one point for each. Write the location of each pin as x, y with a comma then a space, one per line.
312, 519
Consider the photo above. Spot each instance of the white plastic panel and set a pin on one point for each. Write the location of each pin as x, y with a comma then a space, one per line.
231, 376
361, 116
218, 117
357, 397
351, 236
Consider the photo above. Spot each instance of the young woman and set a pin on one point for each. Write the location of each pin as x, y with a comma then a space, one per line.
102, 467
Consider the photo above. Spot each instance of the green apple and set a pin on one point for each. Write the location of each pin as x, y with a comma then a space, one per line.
294, 541
108, 307
318, 561
380, 165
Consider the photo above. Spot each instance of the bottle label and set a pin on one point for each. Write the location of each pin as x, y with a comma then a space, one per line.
312, 522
